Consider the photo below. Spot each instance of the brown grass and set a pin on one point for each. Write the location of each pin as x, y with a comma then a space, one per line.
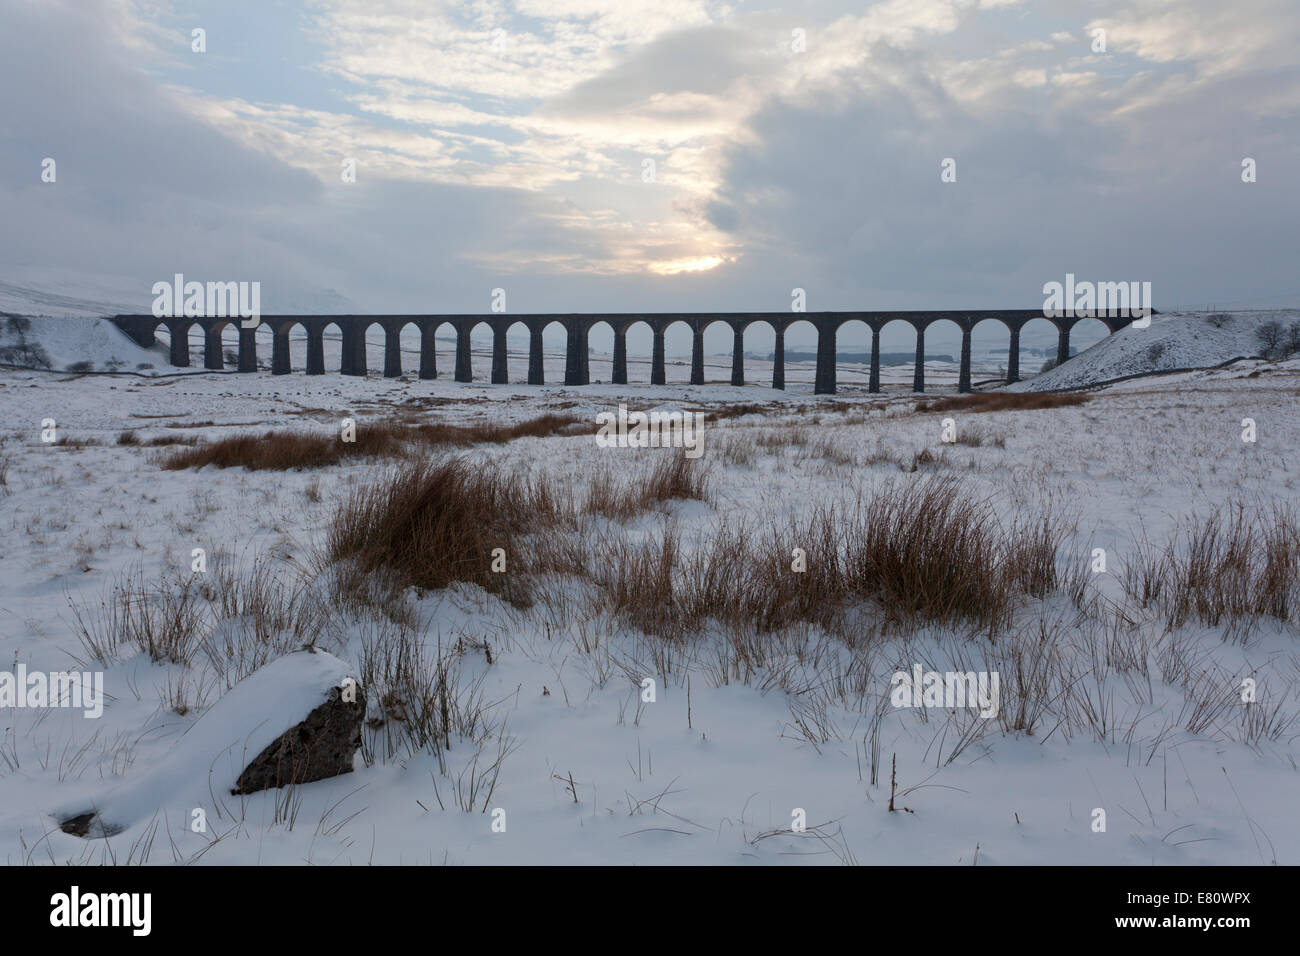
919, 551
784, 436
429, 525
926, 458
979, 437
1002, 402
667, 476
132, 438
284, 451
719, 412
1227, 568
675, 476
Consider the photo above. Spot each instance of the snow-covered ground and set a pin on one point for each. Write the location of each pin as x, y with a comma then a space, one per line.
714, 768
1172, 341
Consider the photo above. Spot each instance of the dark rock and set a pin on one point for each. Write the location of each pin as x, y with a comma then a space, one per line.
88, 825
321, 746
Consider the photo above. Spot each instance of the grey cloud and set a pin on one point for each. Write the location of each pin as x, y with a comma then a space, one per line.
705, 60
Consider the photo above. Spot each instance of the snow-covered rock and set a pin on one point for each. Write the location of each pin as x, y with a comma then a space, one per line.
252, 738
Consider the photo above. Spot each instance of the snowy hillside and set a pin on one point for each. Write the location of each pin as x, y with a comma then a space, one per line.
74, 344
1176, 340
62, 293
44, 292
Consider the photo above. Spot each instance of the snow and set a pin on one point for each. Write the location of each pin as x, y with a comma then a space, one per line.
1173, 341
64, 293
203, 766
714, 768
74, 344
68, 293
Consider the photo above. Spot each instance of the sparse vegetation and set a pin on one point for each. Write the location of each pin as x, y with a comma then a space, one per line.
1002, 402
977, 437
131, 438
286, 451
913, 552
164, 621
665, 476
1277, 341
1225, 569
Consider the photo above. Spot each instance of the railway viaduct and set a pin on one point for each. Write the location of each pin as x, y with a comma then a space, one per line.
353, 329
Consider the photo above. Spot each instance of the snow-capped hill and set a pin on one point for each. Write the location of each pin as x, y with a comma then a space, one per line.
75, 345
35, 291
67, 296
1173, 341
54, 319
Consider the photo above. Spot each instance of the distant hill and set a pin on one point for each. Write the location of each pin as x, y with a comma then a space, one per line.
57, 293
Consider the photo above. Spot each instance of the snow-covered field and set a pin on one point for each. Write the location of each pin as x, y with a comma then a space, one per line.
716, 768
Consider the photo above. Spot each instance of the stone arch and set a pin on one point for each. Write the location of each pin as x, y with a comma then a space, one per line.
769, 337
799, 361
502, 351
283, 340
988, 333
466, 329
601, 338
711, 347
678, 350
174, 341
1040, 342
1087, 332
897, 356
546, 337
333, 339
394, 332
195, 338
364, 344
857, 341
951, 334
299, 342
147, 334
220, 344
639, 339
429, 346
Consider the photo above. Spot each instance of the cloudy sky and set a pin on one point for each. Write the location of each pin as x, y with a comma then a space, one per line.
658, 155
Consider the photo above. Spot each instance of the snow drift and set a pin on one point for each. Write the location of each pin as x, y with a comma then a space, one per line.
206, 764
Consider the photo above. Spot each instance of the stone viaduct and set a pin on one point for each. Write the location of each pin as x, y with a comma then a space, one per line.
353, 329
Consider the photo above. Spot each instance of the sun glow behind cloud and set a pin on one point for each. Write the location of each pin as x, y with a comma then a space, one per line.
587, 148
672, 267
